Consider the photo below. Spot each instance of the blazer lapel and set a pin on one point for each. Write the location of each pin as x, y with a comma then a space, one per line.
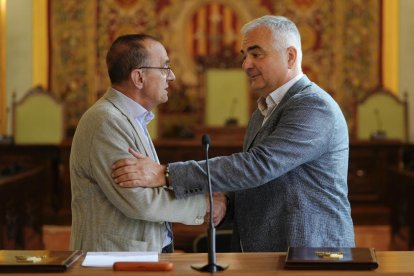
154, 153
255, 125
117, 101
253, 129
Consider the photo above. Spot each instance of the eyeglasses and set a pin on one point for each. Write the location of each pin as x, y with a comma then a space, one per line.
166, 71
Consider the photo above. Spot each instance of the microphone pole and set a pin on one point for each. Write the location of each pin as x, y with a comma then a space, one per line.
211, 234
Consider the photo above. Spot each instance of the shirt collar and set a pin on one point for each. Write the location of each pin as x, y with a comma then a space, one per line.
137, 111
268, 103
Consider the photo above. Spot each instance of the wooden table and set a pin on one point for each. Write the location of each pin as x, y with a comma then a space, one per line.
390, 263
402, 208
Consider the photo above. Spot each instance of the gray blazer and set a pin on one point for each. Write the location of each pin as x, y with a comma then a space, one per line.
290, 182
106, 217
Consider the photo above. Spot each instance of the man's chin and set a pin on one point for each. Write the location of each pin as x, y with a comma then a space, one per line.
257, 90
256, 84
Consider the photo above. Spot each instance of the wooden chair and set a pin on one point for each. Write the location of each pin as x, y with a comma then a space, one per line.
38, 118
382, 115
226, 90
22, 197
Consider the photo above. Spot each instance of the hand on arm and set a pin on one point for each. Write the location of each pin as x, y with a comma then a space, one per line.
140, 171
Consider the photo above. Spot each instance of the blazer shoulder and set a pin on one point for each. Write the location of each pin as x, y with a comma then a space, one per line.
304, 88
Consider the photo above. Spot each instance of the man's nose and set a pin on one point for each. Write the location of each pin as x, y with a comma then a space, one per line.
171, 76
247, 64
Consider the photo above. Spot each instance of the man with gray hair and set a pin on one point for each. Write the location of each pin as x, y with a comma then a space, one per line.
290, 181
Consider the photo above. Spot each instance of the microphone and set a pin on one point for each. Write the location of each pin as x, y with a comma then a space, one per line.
205, 141
211, 233
379, 133
378, 118
231, 120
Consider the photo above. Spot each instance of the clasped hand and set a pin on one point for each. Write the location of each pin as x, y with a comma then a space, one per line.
219, 208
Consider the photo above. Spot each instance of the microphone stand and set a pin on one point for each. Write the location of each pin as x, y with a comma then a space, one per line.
211, 233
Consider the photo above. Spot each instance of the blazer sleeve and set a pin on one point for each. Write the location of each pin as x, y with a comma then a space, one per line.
111, 140
301, 133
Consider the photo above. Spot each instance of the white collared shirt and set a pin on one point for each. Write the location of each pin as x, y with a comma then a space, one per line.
142, 116
268, 104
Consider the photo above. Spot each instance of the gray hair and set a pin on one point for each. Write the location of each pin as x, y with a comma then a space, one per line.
284, 31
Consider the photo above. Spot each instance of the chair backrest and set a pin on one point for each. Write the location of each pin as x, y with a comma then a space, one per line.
38, 118
226, 90
382, 115
223, 242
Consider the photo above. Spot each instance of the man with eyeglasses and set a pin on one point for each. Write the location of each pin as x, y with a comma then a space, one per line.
106, 217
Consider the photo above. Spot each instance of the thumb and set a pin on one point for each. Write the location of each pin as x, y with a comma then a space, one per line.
135, 153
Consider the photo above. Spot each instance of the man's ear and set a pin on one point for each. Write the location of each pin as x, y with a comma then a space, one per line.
292, 55
137, 78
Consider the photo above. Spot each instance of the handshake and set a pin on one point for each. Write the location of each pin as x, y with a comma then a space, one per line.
142, 171
219, 208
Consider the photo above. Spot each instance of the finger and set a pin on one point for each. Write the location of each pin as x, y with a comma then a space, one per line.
207, 204
136, 154
217, 219
126, 177
123, 170
129, 184
123, 162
